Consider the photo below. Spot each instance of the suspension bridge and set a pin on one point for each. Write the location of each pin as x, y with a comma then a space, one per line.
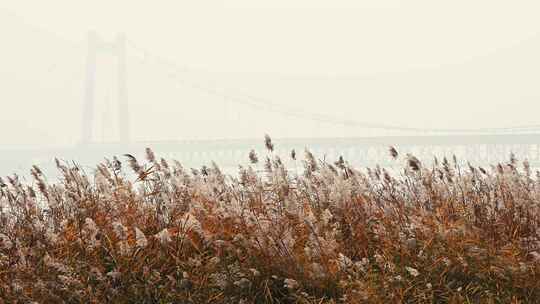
479, 146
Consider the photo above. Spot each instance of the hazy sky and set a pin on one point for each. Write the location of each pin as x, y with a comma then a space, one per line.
439, 64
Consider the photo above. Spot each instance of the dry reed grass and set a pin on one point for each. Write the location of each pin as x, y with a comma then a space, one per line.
438, 234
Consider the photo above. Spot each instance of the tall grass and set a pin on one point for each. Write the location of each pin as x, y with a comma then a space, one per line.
442, 233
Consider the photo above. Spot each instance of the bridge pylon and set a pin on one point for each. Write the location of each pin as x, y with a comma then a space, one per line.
117, 48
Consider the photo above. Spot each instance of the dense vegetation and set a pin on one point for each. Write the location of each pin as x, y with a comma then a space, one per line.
328, 233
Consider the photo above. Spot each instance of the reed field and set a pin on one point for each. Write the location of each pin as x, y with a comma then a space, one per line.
152, 231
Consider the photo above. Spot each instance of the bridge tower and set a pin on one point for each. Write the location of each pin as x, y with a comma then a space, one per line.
118, 50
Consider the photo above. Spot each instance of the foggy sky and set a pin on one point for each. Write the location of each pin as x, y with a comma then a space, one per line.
432, 64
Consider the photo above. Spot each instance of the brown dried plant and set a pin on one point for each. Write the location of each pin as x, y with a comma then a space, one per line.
332, 234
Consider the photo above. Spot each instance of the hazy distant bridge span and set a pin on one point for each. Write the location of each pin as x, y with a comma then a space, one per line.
480, 146
421, 140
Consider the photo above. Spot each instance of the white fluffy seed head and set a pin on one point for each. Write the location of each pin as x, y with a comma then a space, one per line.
140, 238
164, 236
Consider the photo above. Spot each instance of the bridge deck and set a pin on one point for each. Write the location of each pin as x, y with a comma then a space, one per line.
480, 148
